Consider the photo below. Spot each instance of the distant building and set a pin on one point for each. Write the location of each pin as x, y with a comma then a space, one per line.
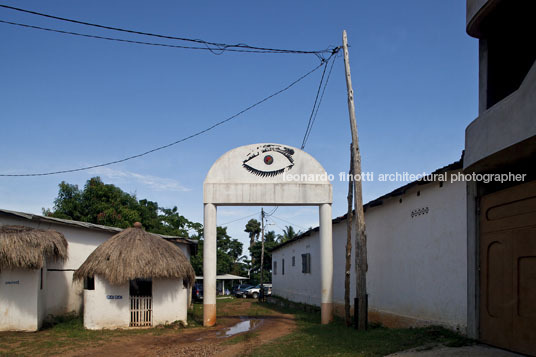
501, 218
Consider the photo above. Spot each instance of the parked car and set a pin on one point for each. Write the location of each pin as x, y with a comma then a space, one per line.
241, 290
267, 290
197, 291
255, 291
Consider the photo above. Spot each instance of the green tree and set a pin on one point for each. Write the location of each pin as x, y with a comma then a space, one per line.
270, 241
107, 204
253, 228
229, 255
288, 234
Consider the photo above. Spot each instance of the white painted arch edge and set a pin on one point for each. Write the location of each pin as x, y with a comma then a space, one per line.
241, 177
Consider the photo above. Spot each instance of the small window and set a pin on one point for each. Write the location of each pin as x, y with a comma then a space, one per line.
282, 266
89, 283
41, 280
306, 263
141, 287
293, 261
275, 268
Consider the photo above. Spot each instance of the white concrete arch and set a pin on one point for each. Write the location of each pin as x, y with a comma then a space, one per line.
266, 174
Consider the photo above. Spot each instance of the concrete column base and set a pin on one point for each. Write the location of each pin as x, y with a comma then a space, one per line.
209, 315
326, 312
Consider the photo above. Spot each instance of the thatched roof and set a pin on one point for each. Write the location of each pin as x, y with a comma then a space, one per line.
27, 248
135, 253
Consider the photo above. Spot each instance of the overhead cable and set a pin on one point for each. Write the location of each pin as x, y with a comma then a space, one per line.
216, 46
174, 142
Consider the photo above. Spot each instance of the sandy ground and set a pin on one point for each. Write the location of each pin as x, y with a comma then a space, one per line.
200, 341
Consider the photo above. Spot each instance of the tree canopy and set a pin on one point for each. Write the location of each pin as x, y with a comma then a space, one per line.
107, 204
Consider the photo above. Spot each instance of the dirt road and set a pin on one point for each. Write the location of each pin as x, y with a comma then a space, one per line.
235, 334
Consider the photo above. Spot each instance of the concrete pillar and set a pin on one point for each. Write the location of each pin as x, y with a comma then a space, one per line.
326, 263
209, 266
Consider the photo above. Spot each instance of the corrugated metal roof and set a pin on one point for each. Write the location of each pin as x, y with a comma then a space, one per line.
457, 165
85, 225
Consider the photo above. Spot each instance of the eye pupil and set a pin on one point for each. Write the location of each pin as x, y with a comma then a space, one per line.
268, 159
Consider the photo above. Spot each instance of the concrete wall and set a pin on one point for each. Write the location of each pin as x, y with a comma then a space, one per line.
417, 266
102, 312
494, 129
19, 300
170, 301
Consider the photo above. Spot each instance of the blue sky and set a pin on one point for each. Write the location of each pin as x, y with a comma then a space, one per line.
67, 101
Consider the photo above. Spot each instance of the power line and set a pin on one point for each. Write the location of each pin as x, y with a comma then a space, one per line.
314, 104
120, 39
310, 127
317, 102
175, 142
284, 220
216, 45
238, 219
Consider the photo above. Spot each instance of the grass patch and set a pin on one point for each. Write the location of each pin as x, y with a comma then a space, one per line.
313, 339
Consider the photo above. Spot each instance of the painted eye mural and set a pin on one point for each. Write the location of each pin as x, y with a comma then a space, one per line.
269, 160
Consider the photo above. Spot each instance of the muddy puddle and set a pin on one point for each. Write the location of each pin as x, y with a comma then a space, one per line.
243, 326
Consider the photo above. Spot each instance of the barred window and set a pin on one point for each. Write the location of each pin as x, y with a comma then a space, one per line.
306, 263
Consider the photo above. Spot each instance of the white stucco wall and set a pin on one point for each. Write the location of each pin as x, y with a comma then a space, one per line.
417, 266
102, 312
170, 304
170, 301
19, 300
295, 285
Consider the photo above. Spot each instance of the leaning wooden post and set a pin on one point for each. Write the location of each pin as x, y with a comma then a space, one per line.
360, 238
261, 291
347, 317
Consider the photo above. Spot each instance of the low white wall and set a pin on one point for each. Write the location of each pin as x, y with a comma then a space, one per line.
108, 306
295, 285
170, 301
417, 266
19, 300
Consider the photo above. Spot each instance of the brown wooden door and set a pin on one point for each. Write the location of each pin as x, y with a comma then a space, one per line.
508, 268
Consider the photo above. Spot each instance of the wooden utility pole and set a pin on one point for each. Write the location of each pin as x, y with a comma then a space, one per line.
360, 237
261, 291
349, 216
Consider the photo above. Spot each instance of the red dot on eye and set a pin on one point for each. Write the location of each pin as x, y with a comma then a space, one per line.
268, 159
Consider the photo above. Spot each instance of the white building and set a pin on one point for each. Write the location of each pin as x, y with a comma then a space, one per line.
25, 254
417, 257
135, 279
60, 294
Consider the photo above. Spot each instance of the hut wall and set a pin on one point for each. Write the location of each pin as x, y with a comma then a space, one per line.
19, 300
108, 306
170, 301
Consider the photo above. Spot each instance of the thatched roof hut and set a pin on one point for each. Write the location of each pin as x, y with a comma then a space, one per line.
27, 248
135, 253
